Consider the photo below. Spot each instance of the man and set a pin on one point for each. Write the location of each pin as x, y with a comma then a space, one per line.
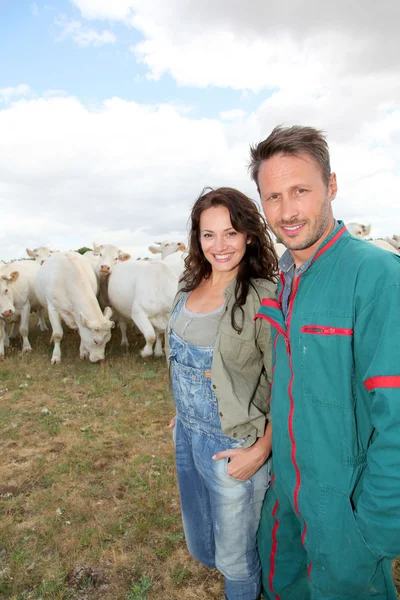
331, 522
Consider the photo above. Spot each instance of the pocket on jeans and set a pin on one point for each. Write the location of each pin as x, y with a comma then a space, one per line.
345, 564
226, 462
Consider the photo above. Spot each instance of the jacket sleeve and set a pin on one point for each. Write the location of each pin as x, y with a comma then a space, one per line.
377, 362
265, 345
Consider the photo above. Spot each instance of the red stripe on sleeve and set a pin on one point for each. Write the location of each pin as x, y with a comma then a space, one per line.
270, 302
382, 381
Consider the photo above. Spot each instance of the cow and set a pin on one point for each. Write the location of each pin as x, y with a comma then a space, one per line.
385, 245
17, 299
172, 253
166, 248
358, 230
103, 259
66, 285
394, 241
39, 254
144, 291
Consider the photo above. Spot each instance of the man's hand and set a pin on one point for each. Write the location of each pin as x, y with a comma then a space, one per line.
172, 423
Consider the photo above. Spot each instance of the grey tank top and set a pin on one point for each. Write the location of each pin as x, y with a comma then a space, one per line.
199, 329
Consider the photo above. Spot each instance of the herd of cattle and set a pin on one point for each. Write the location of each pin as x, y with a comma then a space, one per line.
95, 291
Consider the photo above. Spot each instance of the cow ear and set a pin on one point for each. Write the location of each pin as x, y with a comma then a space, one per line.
367, 229
96, 248
155, 249
122, 256
30, 253
14, 276
182, 246
84, 321
107, 312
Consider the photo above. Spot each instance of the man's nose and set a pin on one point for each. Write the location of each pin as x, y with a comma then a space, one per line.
289, 209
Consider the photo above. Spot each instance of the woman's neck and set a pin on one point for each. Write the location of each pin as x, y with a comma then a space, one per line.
221, 280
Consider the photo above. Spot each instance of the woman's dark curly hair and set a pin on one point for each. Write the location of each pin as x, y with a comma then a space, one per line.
259, 261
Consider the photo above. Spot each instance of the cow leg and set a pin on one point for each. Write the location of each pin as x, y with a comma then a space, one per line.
123, 327
83, 353
6, 336
14, 331
42, 322
158, 349
142, 322
24, 327
57, 334
3, 334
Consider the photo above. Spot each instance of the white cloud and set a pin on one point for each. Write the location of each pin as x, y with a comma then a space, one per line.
127, 173
9, 93
124, 172
258, 45
82, 35
34, 9
232, 115
117, 10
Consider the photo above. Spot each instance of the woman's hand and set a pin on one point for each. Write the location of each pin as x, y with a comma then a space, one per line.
244, 462
172, 423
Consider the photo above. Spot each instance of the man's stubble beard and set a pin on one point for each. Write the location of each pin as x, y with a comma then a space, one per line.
320, 226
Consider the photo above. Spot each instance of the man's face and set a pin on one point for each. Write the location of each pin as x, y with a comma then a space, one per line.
295, 199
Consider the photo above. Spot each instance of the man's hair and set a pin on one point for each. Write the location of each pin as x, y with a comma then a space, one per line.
292, 141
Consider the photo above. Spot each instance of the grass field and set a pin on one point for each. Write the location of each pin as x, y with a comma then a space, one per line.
89, 507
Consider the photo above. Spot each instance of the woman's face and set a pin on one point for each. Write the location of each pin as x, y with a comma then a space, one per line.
223, 246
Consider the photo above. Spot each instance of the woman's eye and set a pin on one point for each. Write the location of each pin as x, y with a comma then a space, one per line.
232, 233
207, 235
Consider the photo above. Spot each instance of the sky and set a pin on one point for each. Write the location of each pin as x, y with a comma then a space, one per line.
115, 115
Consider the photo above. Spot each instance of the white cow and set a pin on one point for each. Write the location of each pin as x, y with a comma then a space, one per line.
384, 245
394, 241
66, 285
358, 229
172, 253
166, 248
103, 259
39, 254
144, 292
18, 298
361, 231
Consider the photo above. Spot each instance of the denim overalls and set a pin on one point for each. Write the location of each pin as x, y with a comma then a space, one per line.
220, 514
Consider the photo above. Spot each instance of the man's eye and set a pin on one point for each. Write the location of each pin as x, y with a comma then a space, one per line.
301, 190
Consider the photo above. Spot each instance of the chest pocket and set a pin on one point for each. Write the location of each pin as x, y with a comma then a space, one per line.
239, 347
326, 356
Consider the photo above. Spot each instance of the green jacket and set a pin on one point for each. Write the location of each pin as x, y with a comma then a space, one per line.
336, 404
241, 368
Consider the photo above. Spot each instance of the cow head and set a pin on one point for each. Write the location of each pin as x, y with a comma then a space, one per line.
7, 308
166, 248
359, 230
39, 254
108, 256
96, 334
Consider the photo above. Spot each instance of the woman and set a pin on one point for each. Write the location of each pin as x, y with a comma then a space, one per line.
220, 368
